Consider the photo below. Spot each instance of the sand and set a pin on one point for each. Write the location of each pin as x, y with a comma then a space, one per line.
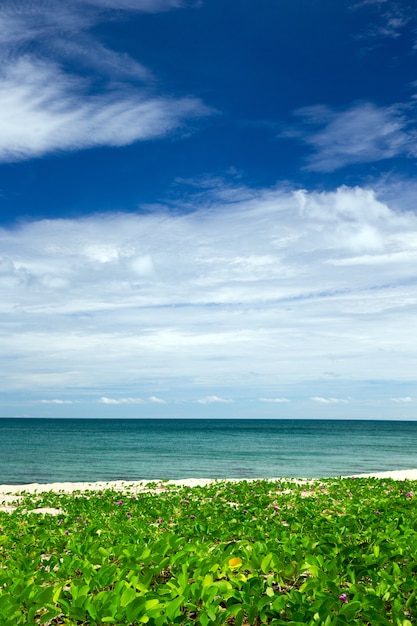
395, 474
10, 494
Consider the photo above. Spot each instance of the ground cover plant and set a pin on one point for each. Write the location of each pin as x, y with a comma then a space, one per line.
337, 551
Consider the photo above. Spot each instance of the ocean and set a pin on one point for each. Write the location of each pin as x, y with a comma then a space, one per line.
58, 450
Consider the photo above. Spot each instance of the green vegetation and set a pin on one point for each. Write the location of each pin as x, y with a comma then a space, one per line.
338, 551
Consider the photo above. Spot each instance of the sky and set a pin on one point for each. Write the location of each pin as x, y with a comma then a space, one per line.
208, 209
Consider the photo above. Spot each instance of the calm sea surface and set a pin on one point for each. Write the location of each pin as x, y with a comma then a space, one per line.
53, 450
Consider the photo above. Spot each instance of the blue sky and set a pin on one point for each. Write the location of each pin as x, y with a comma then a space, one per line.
208, 208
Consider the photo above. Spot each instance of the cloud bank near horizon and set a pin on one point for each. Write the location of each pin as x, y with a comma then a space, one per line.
277, 290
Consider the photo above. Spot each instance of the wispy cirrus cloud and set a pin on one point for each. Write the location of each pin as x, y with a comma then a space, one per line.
275, 400
362, 133
45, 110
402, 400
148, 6
63, 89
389, 17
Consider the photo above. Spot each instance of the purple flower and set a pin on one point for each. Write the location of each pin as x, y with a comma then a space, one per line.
408, 494
343, 598
128, 515
192, 516
67, 532
60, 521
245, 511
377, 512
160, 520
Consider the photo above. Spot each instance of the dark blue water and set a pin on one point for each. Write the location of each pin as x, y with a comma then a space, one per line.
54, 450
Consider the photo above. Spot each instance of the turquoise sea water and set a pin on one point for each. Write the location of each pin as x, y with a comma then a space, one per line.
53, 450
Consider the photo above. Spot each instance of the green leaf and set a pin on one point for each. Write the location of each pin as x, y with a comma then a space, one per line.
172, 608
152, 604
51, 613
56, 593
266, 562
103, 551
350, 609
128, 595
204, 619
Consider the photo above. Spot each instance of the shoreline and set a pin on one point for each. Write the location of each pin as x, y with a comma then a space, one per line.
142, 485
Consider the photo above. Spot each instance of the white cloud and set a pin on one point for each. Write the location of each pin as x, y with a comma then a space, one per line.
233, 297
149, 6
46, 108
360, 134
388, 19
363, 3
214, 399
330, 400
156, 400
274, 400
401, 400
152, 400
57, 402
105, 400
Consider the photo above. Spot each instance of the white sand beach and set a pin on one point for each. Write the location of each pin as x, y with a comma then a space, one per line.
394, 474
8, 493
118, 485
